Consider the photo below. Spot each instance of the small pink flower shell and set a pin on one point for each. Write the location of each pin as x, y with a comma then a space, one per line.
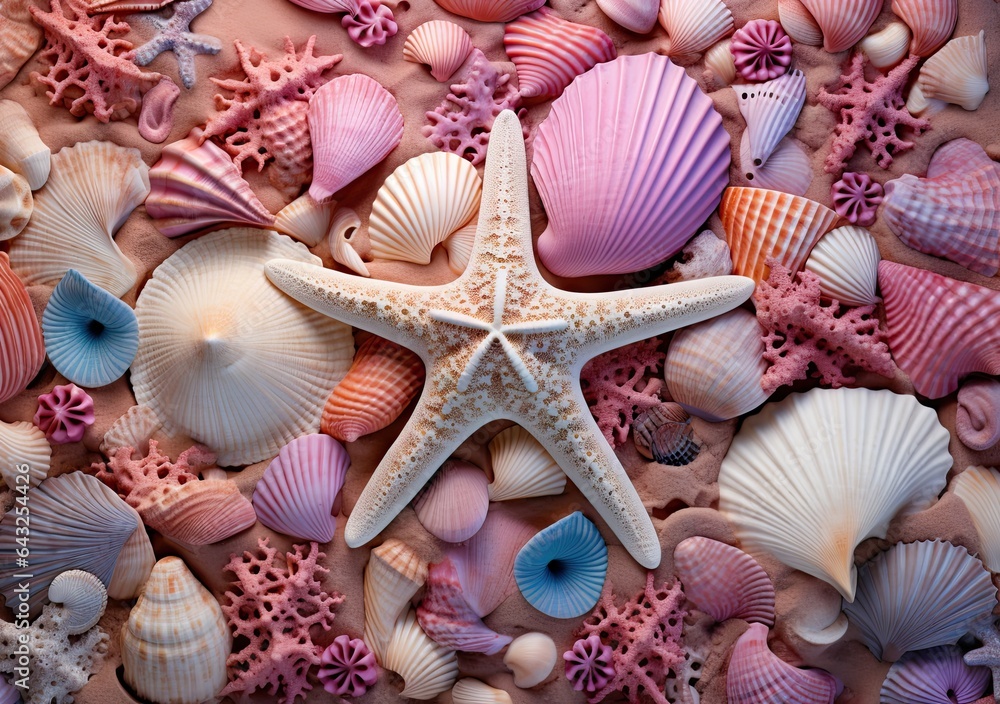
761, 50
348, 667
371, 25
589, 665
64, 414
856, 197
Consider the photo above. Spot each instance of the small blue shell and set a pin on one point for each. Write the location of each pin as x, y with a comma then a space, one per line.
90, 336
561, 570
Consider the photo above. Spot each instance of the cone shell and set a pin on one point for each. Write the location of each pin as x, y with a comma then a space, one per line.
442, 45
788, 169
940, 329
531, 657
490, 10
770, 110
719, 60
957, 73
427, 669
83, 596
22, 349
195, 185
305, 220
175, 642
979, 490
522, 468
760, 224
471, 691
694, 25
756, 675
713, 386
934, 675
549, 52
132, 429
19, 38
354, 123
919, 595
799, 23
395, 573
197, 512
846, 261
92, 189
638, 16
606, 135
724, 581
932, 22
22, 444
421, 203
844, 22
382, 381
345, 223
814, 527
21, 149
887, 48
453, 505
977, 420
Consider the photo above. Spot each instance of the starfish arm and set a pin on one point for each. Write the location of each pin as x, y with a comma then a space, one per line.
145, 54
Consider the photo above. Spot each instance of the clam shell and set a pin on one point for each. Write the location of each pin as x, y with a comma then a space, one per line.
382, 381
757, 675
442, 45
459, 245
92, 189
799, 23
132, 429
932, 22
453, 504
19, 38
15, 203
788, 169
843, 22
446, 617
934, 675
471, 691
345, 223
531, 657
694, 25
957, 73
724, 581
354, 123
175, 642
490, 10
605, 136
421, 203
427, 669
880, 454
549, 52
522, 468
846, 261
21, 149
83, 596
638, 16
719, 60
196, 513
713, 386
979, 490
888, 47
395, 573
919, 595
21, 443
977, 420
770, 110
22, 349
306, 220
919, 104
663, 433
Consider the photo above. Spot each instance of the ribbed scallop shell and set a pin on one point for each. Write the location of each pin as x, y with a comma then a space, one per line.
979, 490
15, 203
846, 261
196, 186
844, 22
522, 468
663, 433
471, 691
940, 329
21, 443
879, 454
442, 45
22, 349
919, 104
19, 38
724, 581
214, 356
719, 60
919, 595
490, 10
694, 25
427, 669
306, 220
132, 429
931, 21
758, 676
788, 169
760, 224
799, 23
91, 190
549, 52
354, 123
977, 420
21, 149
888, 47
715, 386
421, 203
770, 110
176, 640
453, 504
957, 73
395, 573
638, 16
637, 140
197, 512
531, 657
345, 223
83, 596
459, 245
382, 381
934, 676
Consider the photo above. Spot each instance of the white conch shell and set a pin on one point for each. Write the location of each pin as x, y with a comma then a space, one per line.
442, 45
770, 110
788, 169
846, 261
879, 454
888, 47
957, 72
395, 573
83, 596
21, 149
422, 202
719, 60
345, 224
176, 640
471, 691
979, 490
694, 25
21, 443
427, 669
799, 23
305, 219
92, 189
522, 468
531, 657
133, 429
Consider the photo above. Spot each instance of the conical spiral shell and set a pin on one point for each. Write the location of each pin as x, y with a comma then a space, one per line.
395, 573
427, 669
957, 73
846, 261
22, 349
345, 223
694, 25
844, 22
931, 21
22, 444
979, 490
724, 581
442, 45
522, 468
83, 596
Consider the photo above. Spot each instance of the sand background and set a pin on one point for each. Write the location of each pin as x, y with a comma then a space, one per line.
681, 500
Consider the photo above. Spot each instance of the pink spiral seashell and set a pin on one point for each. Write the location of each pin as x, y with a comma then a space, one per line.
978, 419
371, 25
856, 197
761, 50
348, 667
64, 414
756, 675
589, 665
724, 581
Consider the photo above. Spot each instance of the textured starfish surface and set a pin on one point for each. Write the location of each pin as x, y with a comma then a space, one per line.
500, 343
988, 655
174, 34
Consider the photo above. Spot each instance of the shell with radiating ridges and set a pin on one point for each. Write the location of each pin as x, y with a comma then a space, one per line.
799, 23
19, 38
788, 169
196, 512
977, 420
934, 676
979, 490
22, 444
345, 223
214, 360
658, 118
395, 573
531, 657
21, 149
459, 245
15, 203
638, 16
22, 348
306, 220
957, 72
694, 25
719, 60
663, 433
176, 640
132, 429
84, 597
354, 123
724, 581
888, 47
449, 620
442, 45
453, 504
490, 10
756, 675
846, 261
422, 202
427, 669
471, 691
522, 468
931, 21
770, 110
879, 454
919, 595
844, 22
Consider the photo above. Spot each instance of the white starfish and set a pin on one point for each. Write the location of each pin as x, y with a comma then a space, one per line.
499, 342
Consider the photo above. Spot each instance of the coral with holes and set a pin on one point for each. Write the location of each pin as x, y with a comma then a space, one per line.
127, 476
621, 384
90, 70
870, 112
461, 124
645, 638
276, 607
803, 332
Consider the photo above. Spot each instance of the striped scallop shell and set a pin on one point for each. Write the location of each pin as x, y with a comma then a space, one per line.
799, 23
83, 596
459, 245
663, 433
694, 25
522, 468
427, 669
453, 504
719, 60
957, 72
934, 676
15, 203
931, 21
196, 512
844, 22
132, 429
638, 16
21, 149
22, 349
977, 420
442, 45
770, 110
21, 443
920, 105
306, 220
846, 261
888, 47
394, 575
471, 691
345, 223
758, 676
19, 38
724, 581
788, 169
490, 10
979, 490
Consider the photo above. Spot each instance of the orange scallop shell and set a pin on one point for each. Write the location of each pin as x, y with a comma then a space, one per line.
22, 350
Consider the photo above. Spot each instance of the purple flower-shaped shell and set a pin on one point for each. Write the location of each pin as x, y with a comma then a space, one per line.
856, 197
761, 50
64, 414
348, 667
371, 25
589, 665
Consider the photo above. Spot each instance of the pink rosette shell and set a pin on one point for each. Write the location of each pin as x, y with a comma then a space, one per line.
761, 50
589, 665
347, 667
371, 25
64, 414
856, 197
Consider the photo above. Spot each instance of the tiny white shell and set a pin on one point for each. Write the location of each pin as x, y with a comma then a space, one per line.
345, 224
531, 657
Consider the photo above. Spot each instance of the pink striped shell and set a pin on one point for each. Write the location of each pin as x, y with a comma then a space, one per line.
931, 21
844, 22
758, 676
22, 350
724, 581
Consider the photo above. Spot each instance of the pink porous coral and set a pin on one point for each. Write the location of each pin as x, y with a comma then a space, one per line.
370, 25
621, 384
589, 664
803, 332
276, 605
645, 639
871, 112
856, 197
348, 667
761, 50
64, 414
126, 476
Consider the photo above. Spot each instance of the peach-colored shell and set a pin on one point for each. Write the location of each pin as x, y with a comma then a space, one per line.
22, 350
844, 22
931, 21
197, 513
453, 505
442, 45
19, 38
799, 23
490, 10
757, 675
724, 581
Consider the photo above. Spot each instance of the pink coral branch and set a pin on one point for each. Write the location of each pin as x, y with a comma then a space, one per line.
128, 476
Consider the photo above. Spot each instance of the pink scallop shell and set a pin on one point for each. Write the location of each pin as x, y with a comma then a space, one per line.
931, 21
724, 581
22, 349
638, 16
349, 7
800, 25
442, 45
844, 22
630, 161
977, 420
490, 10
756, 675
761, 50
453, 505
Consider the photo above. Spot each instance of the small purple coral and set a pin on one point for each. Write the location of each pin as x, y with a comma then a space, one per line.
371, 25
761, 50
64, 414
856, 197
589, 665
348, 667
